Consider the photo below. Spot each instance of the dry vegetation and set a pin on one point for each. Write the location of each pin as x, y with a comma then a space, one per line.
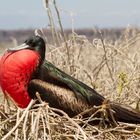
111, 67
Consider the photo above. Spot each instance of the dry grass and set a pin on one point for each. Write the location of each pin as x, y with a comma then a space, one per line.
111, 67
44, 123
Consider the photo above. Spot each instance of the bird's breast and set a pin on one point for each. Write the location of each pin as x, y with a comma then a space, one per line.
16, 70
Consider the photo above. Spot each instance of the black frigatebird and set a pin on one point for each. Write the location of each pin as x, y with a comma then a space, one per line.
24, 71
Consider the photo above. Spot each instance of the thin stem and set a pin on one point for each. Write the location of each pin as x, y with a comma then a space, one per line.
61, 28
53, 30
105, 54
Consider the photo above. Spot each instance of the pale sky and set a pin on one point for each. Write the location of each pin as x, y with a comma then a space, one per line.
23, 14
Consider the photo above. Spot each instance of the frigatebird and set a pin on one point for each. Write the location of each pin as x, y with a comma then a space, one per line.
25, 71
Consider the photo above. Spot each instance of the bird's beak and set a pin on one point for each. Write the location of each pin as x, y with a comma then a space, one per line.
21, 47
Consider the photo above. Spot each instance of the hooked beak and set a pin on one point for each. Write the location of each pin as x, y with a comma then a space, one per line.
21, 47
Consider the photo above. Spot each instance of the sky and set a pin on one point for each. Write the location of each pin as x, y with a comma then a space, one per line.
24, 14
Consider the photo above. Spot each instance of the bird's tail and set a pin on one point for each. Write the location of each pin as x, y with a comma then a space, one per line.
125, 114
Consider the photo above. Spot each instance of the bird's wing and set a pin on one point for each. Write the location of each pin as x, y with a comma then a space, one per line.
80, 89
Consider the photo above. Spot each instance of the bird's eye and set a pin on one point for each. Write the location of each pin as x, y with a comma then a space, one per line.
29, 42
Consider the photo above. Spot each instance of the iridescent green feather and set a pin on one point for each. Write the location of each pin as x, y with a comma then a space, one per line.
80, 89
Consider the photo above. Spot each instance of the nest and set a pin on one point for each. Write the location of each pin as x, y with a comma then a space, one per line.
41, 122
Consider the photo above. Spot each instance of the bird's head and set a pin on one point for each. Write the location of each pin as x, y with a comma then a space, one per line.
35, 43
